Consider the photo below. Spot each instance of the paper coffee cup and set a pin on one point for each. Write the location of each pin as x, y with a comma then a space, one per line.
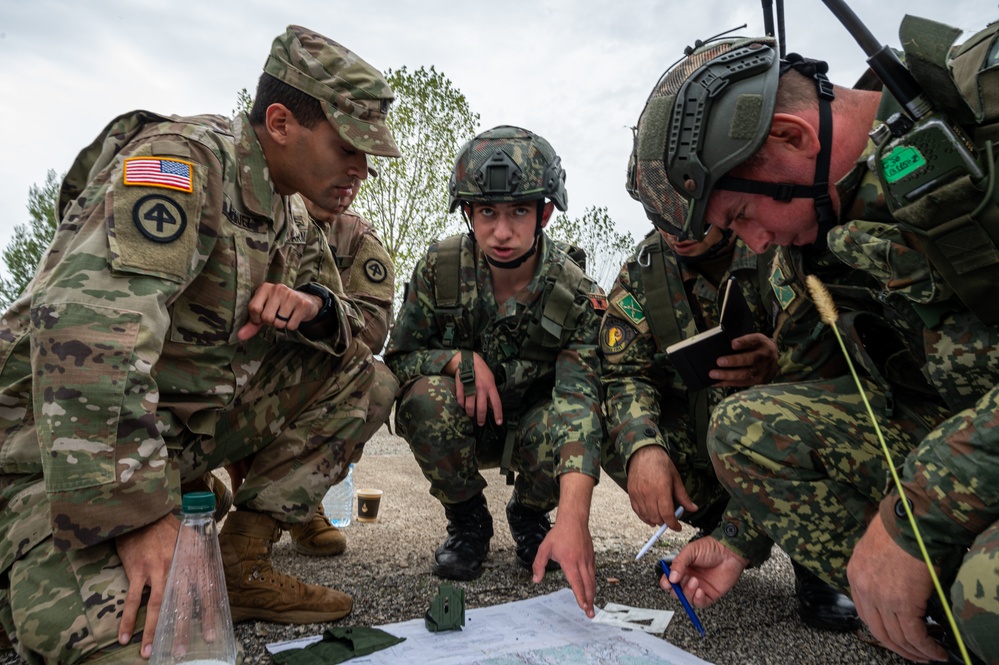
368, 502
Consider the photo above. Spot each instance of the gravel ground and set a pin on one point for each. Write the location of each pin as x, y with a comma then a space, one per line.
387, 570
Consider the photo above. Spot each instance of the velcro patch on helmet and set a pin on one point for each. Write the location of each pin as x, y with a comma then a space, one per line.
652, 128
746, 118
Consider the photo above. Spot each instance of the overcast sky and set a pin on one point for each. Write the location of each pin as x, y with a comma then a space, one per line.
575, 71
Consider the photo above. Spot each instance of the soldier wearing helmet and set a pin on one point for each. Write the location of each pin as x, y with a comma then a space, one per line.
738, 138
490, 319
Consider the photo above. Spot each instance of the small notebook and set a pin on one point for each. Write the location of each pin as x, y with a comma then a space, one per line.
695, 356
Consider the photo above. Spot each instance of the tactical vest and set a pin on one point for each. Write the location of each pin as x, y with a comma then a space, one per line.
546, 335
957, 221
659, 285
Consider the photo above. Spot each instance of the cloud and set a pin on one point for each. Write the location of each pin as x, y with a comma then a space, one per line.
575, 71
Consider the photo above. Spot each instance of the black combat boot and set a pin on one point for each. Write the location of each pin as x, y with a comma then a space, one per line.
528, 528
469, 528
821, 605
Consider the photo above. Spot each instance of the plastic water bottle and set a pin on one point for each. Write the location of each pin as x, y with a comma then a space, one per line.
339, 501
195, 624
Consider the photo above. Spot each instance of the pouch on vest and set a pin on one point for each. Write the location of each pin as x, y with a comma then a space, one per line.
950, 204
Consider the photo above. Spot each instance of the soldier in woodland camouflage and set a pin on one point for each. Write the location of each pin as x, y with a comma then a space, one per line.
802, 461
184, 318
496, 350
656, 426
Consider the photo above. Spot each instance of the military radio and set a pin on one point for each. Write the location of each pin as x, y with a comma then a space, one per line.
920, 149
937, 182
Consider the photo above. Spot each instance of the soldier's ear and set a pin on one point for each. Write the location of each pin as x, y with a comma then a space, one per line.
546, 213
795, 134
279, 122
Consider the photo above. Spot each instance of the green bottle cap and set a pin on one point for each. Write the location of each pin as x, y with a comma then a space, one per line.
197, 502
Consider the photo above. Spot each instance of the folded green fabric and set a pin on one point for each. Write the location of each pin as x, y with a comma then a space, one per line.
339, 645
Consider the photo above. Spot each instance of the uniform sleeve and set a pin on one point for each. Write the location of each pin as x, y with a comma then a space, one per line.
369, 283
99, 318
318, 266
577, 427
631, 396
415, 346
952, 481
737, 534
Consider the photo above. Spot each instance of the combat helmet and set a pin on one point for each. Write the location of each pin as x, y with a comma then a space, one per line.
706, 115
504, 165
508, 164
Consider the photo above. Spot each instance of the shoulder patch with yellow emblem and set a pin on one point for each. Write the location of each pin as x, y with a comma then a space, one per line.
616, 335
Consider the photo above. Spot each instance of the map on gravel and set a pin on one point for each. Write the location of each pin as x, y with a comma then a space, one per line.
547, 630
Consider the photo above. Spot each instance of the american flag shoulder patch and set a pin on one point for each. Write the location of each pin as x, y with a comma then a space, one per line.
159, 172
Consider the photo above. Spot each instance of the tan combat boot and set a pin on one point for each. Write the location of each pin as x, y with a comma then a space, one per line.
256, 590
318, 537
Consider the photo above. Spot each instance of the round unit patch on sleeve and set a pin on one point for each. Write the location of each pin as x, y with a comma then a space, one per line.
616, 335
159, 218
375, 270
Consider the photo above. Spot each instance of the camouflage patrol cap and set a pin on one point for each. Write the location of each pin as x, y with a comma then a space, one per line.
354, 95
507, 164
706, 115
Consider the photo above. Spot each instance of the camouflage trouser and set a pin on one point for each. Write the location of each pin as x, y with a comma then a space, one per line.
450, 448
975, 595
700, 482
803, 464
299, 417
381, 396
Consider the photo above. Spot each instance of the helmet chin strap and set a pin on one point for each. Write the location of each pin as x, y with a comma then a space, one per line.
712, 252
519, 261
819, 189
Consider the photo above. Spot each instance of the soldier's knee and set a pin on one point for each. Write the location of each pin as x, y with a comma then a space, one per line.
51, 619
975, 594
382, 393
426, 403
731, 419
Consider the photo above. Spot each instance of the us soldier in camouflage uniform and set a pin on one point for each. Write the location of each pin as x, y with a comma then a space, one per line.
370, 288
182, 319
496, 350
368, 276
802, 461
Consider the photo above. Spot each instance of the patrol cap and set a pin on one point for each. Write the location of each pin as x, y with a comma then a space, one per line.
354, 95
706, 115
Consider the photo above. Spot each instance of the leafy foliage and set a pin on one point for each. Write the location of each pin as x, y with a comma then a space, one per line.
430, 120
30, 241
596, 234
244, 102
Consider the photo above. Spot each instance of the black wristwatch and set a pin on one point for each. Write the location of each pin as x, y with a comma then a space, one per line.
314, 289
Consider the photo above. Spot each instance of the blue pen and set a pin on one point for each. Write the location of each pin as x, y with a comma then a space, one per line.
663, 566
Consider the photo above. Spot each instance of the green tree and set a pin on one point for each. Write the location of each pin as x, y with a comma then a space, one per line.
244, 102
596, 234
25, 251
407, 203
